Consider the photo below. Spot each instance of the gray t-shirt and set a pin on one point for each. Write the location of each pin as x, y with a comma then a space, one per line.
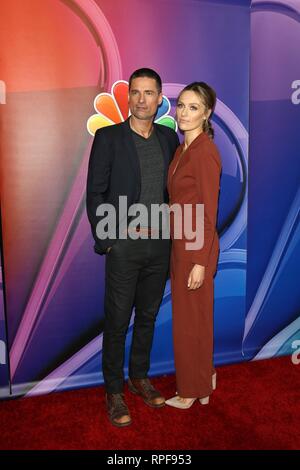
152, 171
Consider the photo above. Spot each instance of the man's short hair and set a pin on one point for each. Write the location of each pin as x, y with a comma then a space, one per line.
149, 73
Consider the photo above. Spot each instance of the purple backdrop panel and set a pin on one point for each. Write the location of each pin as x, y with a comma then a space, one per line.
273, 294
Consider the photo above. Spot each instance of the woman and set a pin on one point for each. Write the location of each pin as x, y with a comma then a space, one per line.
194, 178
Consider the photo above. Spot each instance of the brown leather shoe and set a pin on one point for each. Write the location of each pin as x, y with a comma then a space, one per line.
118, 412
145, 389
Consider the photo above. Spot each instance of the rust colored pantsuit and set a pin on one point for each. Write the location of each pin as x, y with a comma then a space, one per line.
194, 178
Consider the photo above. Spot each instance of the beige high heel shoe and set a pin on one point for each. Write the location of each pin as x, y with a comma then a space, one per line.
178, 403
214, 381
205, 400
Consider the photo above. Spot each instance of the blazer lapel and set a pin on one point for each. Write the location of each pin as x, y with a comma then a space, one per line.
131, 150
165, 150
164, 145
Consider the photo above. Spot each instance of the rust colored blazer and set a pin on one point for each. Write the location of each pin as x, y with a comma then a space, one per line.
194, 178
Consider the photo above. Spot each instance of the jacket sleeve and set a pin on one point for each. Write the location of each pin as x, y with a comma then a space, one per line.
97, 185
207, 169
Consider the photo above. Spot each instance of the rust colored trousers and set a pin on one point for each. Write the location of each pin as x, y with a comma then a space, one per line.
192, 331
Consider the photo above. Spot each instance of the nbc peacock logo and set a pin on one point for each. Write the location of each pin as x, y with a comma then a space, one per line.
112, 108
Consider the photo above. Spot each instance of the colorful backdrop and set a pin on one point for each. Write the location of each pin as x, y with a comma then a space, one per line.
56, 57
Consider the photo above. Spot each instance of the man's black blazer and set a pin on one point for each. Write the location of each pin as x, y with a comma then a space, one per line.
114, 170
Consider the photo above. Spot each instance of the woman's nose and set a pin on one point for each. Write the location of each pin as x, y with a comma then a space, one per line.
184, 112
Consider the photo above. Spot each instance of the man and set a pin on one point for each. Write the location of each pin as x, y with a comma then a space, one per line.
131, 159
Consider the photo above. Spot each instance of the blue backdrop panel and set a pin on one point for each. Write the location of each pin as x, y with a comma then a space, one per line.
273, 293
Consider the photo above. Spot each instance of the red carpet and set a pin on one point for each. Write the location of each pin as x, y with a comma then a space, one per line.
256, 406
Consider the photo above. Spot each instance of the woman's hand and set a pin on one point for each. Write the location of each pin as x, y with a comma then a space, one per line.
196, 277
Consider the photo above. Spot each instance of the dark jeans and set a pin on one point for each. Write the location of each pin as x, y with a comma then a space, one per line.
135, 276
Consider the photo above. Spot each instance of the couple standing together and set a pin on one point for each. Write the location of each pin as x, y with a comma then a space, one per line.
144, 162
